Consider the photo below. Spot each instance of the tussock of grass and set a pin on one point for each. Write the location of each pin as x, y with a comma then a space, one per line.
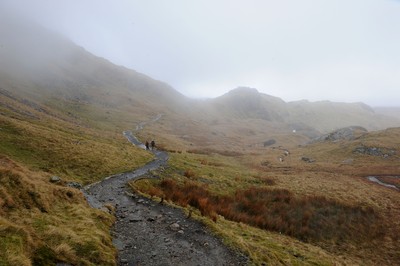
42, 223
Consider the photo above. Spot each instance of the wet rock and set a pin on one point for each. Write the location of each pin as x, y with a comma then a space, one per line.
134, 219
307, 160
174, 226
74, 185
128, 194
347, 133
122, 216
375, 151
269, 142
348, 161
55, 179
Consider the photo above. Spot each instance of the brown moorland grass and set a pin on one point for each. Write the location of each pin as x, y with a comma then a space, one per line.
311, 218
263, 247
68, 152
42, 223
362, 227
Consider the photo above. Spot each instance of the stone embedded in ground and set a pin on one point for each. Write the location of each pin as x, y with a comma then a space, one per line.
174, 226
134, 219
55, 179
74, 185
308, 160
348, 161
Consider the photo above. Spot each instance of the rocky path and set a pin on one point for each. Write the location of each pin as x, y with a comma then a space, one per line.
149, 233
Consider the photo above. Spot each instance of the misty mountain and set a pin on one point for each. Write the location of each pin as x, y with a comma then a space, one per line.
245, 102
50, 72
37, 62
322, 116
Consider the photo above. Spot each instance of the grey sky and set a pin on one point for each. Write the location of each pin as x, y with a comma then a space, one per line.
341, 50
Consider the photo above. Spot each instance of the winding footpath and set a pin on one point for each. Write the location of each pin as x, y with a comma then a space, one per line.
149, 233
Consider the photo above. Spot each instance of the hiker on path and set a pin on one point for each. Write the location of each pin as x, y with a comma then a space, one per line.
147, 145
153, 144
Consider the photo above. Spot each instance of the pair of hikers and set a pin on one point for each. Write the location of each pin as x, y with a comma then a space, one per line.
152, 143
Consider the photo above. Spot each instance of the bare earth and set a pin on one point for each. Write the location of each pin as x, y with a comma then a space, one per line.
149, 233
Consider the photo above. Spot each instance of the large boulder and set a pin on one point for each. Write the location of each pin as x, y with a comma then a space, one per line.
347, 133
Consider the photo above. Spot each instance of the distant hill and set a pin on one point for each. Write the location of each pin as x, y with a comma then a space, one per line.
62, 113
245, 102
393, 112
322, 117
42, 70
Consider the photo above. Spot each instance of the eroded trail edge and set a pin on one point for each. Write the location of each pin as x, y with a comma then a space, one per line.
149, 233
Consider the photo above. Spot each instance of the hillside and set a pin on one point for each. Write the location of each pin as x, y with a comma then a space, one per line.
50, 72
393, 112
319, 194
41, 66
246, 118
62, 113
323, 116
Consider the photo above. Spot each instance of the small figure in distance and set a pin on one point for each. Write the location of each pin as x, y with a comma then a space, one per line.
153, 144
147, 145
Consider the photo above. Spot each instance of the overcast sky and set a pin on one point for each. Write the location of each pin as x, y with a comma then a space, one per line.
338, 50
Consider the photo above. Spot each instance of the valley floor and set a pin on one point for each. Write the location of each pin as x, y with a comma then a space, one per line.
148, 233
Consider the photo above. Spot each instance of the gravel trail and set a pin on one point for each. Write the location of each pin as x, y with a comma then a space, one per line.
150, 233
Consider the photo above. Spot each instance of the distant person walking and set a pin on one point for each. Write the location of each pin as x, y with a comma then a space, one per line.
147, 145
153, 144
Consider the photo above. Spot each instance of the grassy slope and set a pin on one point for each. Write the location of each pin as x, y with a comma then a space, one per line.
41, 223
67, 118
340, 183
63, 146
79, 136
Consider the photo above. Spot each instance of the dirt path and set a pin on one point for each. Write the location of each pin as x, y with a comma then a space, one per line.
149, 233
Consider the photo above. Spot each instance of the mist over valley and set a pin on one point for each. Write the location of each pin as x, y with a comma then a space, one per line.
101, 164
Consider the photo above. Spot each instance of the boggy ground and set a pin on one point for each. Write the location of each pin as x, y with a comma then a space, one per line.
148, 233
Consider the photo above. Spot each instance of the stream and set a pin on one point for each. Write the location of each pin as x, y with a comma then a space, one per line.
376, 180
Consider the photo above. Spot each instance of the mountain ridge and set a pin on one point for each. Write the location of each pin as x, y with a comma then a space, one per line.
72, 81
249, 103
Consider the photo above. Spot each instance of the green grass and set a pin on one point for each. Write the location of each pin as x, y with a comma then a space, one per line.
67, 152
222, 175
